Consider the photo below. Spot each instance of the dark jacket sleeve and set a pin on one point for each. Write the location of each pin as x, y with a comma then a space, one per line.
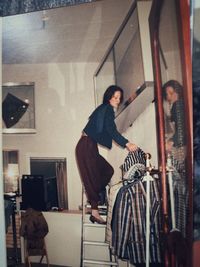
112, 129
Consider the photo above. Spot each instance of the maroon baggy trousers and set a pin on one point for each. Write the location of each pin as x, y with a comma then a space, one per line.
95, 171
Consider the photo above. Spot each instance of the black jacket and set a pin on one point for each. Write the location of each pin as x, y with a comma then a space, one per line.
102, 129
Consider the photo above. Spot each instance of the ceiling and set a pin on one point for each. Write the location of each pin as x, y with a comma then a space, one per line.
80, 33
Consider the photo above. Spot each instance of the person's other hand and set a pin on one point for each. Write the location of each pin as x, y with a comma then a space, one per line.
169, 146
131, 147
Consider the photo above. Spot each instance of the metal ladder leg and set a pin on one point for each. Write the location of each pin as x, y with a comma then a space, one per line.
82, 226
92, 262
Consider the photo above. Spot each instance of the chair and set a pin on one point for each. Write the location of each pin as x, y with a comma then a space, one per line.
33, 229
35, 247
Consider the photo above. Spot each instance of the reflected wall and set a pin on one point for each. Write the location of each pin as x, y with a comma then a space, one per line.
122, 64
173, 105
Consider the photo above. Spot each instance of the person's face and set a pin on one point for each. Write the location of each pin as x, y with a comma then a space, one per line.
115, 100
171, 95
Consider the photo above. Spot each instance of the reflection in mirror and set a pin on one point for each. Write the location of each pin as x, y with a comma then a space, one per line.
175, 131
123, 64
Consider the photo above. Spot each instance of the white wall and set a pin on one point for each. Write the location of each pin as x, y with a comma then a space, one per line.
64, 241
173, 61
64, 98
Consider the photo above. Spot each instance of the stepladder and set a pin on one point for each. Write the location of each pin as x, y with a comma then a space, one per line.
95, 251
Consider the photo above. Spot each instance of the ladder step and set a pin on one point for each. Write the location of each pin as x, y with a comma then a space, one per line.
99, 207
103, 207
96, 225
109, 263
96, 243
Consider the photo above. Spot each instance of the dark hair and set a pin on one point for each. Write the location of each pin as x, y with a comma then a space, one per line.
110, 91
178, 88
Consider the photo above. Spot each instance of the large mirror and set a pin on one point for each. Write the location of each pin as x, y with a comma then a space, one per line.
173, 89
175, 128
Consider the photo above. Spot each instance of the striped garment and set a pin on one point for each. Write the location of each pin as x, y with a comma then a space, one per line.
180, 190
137, 156
132, 168
181, 200
129, 223
137, 171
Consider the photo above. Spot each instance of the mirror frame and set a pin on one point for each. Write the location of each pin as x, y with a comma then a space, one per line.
183, 16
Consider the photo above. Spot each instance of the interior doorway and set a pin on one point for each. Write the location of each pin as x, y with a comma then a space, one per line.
54, 173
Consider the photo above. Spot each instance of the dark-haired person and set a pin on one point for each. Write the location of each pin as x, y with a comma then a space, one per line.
101, 129
176, 151
173, 94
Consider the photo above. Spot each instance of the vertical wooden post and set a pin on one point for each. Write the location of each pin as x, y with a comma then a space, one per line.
183, 13
154, 19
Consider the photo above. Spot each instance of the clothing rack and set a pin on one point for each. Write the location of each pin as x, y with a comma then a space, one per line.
148, 179
171, 192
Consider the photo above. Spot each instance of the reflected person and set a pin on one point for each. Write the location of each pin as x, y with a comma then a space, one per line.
176, 152
101, 129
173, 94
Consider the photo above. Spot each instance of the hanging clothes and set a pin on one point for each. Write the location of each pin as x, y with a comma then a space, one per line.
113, 191
128, 222
34, 228
134, 165
133, 158
180, 189
181, 199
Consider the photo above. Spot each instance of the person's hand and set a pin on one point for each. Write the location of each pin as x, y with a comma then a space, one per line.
131, 147
169, 146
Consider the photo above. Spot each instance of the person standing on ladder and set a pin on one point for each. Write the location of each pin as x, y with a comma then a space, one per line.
101, 129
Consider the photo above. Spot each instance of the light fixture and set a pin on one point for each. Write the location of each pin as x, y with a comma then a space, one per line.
13, 170
13, 177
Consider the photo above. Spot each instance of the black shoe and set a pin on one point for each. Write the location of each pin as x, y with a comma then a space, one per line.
93, 219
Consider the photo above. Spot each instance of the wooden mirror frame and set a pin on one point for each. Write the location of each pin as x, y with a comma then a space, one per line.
183, 16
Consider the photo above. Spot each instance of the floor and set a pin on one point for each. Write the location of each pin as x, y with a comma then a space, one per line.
13, 260
34, 265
